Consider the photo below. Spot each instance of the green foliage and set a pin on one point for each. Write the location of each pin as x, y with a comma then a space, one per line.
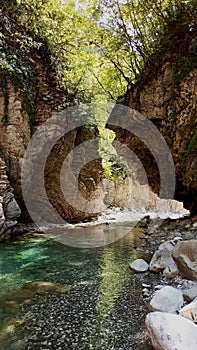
114, 165
101, 45
3, 86
192, 148
14, 63
185, 65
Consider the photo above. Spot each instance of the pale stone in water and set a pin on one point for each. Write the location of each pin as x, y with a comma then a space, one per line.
46, 286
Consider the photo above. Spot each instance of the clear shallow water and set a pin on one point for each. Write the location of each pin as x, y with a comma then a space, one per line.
103, 309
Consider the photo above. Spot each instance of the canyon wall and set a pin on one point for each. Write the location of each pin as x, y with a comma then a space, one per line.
32, 90
166, 93
15, 134
9, 209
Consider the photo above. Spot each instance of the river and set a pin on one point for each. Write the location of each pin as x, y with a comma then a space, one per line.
104, 308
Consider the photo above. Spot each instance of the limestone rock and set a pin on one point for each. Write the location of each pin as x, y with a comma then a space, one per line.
139, 265
145, 292
171, 271
162, 258
2, 217
189, 311
171, 332
185, 256
154, 99
12, 210
49, 97
190, 294
169, 205
194, 225
9, 209
167, 299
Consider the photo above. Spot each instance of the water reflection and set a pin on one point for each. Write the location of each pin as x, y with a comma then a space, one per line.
90, 236
113, 274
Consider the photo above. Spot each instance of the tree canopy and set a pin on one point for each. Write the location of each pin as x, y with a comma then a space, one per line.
102, 45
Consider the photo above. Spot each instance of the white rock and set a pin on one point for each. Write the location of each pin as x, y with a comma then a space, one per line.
185, 256
175, 206
12, 210
2, 217
189, 311
139, 265
144, 285
177, 239
190, 294
167, 299
145, 292
166, 205
171, 271
171, 332
159, 286
162, 258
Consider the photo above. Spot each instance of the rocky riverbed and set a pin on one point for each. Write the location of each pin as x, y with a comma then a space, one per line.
171, 324
94, 300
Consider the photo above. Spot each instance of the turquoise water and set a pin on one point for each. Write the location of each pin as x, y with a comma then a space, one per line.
100, 281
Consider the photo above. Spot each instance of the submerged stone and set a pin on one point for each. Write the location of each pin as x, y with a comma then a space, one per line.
46, 286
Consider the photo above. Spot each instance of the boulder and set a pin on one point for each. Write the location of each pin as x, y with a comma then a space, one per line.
190, 294
12, 210
185, 256
189, 311
167, 299
171, 271
139, 265
2, 217
171, 332
9, 209
194, 225
162, 258
171, 205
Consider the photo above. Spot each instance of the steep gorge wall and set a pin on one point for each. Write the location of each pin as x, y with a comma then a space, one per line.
29, 95
9, 209
15, 134
21, 121
167, 95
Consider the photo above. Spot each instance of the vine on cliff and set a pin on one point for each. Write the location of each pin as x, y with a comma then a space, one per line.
14, 65
3, 86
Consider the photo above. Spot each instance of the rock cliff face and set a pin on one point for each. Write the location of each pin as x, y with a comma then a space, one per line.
9, 209
15, 135
167, 95
29, 95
